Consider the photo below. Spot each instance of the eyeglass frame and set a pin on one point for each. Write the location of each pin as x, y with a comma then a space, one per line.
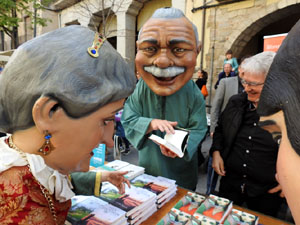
251, 84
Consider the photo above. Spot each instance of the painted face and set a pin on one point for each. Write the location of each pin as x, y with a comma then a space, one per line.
246, 217
74, 139
222, 201
253, 84
166, 54
202, 220
288, 162
196, 197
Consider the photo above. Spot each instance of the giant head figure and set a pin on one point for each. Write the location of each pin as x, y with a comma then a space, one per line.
279, 107
167, 49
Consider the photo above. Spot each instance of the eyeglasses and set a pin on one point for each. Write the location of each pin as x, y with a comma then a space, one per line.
253, 84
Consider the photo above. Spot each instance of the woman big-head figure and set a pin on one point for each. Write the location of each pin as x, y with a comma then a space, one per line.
58, 96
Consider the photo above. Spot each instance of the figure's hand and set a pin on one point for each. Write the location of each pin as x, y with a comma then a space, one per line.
116, 178
166, 152
162, 125
211, 134
218, 163
277, 189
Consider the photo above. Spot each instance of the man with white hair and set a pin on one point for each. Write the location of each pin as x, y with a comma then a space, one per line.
243, 153
165, 96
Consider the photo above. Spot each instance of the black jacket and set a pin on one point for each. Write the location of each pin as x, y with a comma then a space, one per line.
250, 160
229, 123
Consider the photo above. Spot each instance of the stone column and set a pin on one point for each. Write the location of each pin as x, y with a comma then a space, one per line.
126, 31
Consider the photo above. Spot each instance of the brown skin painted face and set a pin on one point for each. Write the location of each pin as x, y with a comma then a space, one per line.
166, 43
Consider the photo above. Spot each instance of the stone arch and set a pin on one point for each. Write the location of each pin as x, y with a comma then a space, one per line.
245, 37
255, 30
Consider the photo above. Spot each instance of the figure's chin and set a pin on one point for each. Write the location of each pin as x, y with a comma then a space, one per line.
164, 90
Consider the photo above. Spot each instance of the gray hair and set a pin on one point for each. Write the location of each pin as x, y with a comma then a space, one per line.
171, 13
58, 65
259, 63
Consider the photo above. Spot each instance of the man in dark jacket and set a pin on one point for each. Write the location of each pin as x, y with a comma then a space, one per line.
247, 152
227, 72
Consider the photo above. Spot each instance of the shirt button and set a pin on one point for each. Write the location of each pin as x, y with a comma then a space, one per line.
254, 124
250, 137
244, 175
244, 165
247, 151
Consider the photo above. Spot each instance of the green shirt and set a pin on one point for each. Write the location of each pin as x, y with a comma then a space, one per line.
187, 107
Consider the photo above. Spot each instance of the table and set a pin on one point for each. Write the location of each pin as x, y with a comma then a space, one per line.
156, 217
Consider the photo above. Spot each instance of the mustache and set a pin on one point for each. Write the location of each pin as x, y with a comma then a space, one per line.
171, 71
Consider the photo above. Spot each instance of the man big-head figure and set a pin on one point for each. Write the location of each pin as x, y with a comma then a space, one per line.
167, 49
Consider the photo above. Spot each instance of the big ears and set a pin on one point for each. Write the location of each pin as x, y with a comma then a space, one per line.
46, 113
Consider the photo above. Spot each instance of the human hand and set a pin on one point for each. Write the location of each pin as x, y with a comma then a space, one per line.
116, 178
162, 125
211, 134
218, 163
167, 152
277, 189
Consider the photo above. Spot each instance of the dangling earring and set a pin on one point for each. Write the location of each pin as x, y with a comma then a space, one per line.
47, 147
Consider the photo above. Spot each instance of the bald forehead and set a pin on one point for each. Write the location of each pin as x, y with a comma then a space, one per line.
177, 29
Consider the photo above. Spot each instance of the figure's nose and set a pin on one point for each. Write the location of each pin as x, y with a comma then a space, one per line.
109, 131
163, 59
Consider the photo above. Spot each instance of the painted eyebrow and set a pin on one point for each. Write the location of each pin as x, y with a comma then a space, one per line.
266, 123
117, 110
149, 40
178, 41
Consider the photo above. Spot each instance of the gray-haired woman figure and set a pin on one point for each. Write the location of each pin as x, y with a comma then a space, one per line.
58, 96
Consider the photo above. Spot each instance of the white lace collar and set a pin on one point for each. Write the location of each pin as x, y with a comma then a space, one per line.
51, 179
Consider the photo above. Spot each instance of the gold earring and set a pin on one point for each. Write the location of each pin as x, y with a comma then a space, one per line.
47, 147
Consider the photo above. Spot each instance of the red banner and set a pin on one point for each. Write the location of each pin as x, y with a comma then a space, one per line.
273, 42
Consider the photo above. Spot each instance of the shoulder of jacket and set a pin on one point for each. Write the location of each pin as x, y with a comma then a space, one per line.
239, 99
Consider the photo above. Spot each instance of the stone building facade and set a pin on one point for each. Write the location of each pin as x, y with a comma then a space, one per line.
239, 25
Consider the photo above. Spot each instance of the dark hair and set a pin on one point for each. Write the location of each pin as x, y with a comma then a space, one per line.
229, 52
204, 73
281, 89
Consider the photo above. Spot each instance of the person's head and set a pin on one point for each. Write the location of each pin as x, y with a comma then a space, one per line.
167, 48
240, 66
202, 74
279, 108
52, 84
229, 54
254, 71
227, 68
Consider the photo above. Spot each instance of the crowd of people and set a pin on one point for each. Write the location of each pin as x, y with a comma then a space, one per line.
57, 106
